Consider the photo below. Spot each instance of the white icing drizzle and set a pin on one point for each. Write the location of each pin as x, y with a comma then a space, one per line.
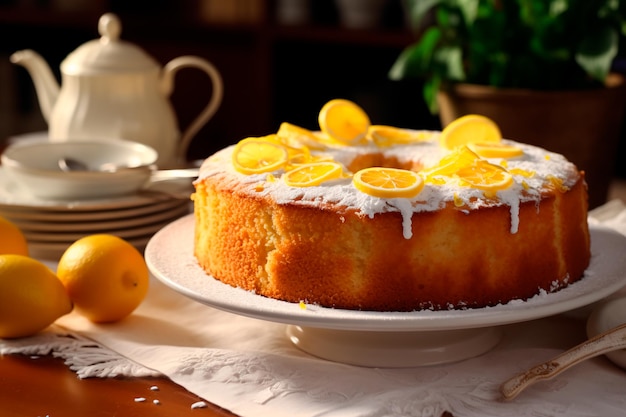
341, 193
406, 210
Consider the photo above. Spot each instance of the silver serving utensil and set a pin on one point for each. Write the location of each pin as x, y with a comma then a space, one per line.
71, 164
608, 341
174, 174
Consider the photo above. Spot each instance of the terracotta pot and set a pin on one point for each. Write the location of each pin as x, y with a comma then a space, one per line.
584, 126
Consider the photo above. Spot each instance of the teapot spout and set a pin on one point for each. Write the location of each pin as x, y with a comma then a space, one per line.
46, 85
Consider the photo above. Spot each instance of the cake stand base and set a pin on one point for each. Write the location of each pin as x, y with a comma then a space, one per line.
381, 349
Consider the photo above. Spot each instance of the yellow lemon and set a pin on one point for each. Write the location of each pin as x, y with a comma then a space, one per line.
313, 174
256, 156
472, 128
31, 296
388, 182
12, 239
495, 150
384, 136
105, 276
485, 176
344, 121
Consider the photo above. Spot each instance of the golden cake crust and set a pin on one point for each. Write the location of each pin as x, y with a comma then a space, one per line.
337, 256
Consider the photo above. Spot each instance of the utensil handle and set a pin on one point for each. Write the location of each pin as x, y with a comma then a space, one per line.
608, 341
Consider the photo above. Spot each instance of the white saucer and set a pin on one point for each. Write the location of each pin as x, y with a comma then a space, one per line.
123, 227
84, 214
122, 221
12, 197
607, 315
169, 255
51, 251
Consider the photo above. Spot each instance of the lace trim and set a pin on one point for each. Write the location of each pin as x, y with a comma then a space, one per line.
83, 356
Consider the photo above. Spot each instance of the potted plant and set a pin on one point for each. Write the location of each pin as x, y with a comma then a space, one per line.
540, 68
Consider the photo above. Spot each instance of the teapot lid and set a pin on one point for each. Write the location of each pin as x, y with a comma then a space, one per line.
108, 54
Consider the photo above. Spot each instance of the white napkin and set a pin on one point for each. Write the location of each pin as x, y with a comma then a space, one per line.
250, 367
611, 214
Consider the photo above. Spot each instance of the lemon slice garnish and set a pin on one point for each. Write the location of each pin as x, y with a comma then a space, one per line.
451, 163
297, 157
388, 182
256, 156
308, 175
485, 176
297, 136
495, 150
472, 128
344, 121
384, 136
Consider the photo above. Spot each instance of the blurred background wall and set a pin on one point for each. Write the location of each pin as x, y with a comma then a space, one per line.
281, 60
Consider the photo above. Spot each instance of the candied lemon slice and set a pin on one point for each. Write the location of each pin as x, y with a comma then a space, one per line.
388, 182
315, 173
297, 156
485, 176
451, 163
522, 172
384, 136
256, 156
297, 136
556, 183
495, 150
344, 121
472, 128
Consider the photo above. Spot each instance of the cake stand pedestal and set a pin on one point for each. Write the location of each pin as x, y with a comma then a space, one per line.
394, 349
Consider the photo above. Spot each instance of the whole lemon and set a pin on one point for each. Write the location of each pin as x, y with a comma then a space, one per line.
12, 239
31, 296
105, 276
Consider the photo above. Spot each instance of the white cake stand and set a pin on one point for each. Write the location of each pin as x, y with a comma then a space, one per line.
383, 339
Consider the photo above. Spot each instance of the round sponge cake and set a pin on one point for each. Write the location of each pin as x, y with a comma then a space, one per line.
450, 246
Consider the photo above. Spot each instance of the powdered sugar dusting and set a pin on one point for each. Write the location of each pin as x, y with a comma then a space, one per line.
533, 173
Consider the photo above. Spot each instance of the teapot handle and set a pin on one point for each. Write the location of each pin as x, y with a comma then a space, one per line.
169, 71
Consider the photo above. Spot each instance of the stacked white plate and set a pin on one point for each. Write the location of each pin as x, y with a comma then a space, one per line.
51, 226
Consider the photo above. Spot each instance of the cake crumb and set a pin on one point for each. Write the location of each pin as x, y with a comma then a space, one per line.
154, 388
199, 404
156, 402
140, 399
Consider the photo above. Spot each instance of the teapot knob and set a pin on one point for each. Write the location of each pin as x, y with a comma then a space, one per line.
109, 27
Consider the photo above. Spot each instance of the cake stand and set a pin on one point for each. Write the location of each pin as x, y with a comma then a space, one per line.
383, 339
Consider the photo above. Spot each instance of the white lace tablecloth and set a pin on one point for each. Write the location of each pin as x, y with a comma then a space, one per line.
250, 367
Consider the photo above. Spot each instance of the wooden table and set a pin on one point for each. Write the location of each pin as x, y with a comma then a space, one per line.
45, 386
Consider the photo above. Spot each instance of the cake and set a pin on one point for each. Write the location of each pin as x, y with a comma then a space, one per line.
296, 216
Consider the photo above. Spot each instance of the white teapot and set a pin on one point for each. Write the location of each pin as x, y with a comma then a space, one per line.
113, 89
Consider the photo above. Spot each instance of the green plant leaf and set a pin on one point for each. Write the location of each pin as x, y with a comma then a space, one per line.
536, 44
469, 9
429, 92
596, 52
416, 59
450, 59
418, 9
